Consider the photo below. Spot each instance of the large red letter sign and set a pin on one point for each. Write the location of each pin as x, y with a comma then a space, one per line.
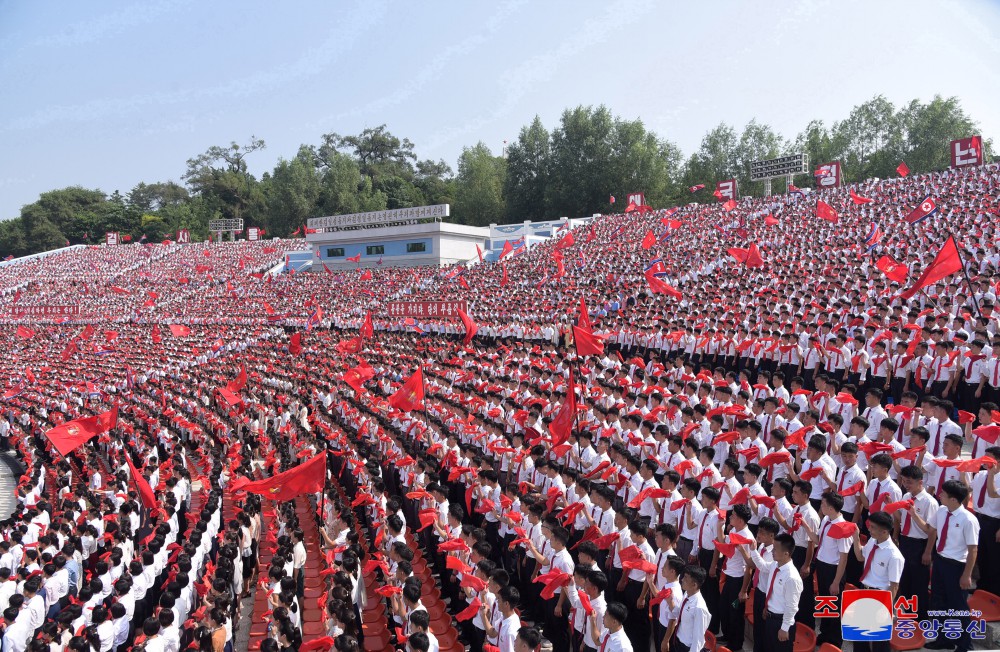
828, 175
727, 189
637, 198
966, 151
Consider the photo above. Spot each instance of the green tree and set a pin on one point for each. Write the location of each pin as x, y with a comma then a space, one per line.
294, 193
714, 161
871, 138
758, 142
378, 153
221, 175
580, 155
12, 238
527, 173
929, 129
479, 186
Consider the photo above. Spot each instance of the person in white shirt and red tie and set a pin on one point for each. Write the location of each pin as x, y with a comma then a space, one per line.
693, 616
986, 505
882, 565
613, 638
916, 537
782, 593
957, 546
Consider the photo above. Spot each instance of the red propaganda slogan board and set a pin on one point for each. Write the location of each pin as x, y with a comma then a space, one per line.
637, 198
428, 309
726, 189
966, 152
45, 311
828, 175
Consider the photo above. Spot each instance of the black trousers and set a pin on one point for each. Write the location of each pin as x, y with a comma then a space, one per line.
989, 554
637, 620
758, 621
805, 613
771, 628
731, 612
916, 578
947, 593
828, 629
710, 590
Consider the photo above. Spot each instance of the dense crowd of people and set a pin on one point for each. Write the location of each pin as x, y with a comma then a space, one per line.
755, 438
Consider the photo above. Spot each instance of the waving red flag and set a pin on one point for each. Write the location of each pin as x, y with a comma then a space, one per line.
903, 169
657, 286
306, 478
25, 332
859, 200
893, 271
146, 495
825, 212
295, 344
754, 258
177, 330
367, 328
583, 320
354, 259
69, 436
503, 279
562, 425
411, 395
648, 240
947, 262
471, 328
771, 220
586, 342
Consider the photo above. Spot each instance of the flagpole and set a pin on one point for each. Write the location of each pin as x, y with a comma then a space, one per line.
968, 281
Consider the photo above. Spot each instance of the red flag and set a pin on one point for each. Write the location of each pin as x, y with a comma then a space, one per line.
366, 275
771, 220
69, 436
825, 212
25, 332
657, 286
648, 240
411, 395
697, 187
146, 495
157, 338
753, 257
327, 270
903, 169
240, 382
503, 279
561, 425
894, 271
583, 320
586, 342
566, 241
463, 283
354, 259
295, 344
470, 327
306, 478
479, 252
729, 205
858, 199
367, 328
947, 262
177, 330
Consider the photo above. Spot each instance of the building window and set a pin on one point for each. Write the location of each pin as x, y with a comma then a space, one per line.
416, 247
335, 252
376, 250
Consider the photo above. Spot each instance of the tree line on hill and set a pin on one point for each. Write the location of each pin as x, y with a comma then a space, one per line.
570, 170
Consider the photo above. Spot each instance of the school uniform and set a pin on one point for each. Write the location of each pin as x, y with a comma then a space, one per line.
692, 622
916, 578
987, 511
828, 553
782, 600
956, 530
883, 566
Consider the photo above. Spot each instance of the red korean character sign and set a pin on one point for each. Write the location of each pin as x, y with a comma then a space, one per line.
253, 234
966, 152
111, 238
637, 198
726, 190
184, 236
828, 175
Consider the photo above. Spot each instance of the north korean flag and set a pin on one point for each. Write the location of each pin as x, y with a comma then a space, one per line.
922, 211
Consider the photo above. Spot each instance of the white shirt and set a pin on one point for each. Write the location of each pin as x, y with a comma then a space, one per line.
886, 565
615, 642
926, 506
830, 548
508, 632
785, 585
963, 531
693, 620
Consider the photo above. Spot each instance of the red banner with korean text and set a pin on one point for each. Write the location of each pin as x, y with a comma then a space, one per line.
432, 310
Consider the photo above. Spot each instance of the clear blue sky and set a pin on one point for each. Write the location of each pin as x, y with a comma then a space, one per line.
106, 94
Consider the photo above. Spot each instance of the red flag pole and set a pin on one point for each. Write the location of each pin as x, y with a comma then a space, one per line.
968, 281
